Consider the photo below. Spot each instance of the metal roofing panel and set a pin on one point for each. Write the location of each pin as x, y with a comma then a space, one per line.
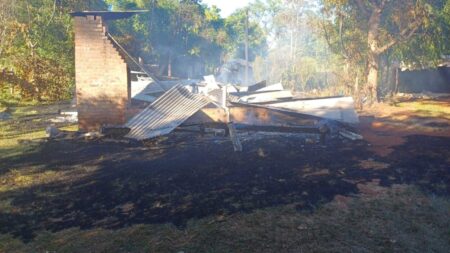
165, 114
335, 108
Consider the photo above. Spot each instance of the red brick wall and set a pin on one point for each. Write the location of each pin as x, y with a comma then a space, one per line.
102, 80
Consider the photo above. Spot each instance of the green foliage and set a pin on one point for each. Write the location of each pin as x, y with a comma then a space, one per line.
432, 42
37, 45
413, 33
235, 25
308, 39
36, 40
182, 33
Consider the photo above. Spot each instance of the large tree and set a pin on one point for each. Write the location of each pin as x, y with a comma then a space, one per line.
384, 24
36, 42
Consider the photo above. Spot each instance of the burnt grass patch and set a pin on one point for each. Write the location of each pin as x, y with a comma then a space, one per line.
185, 176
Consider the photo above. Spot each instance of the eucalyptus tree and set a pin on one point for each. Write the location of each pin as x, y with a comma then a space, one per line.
373, 27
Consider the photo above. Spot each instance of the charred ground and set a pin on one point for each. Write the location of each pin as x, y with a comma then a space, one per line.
183, 177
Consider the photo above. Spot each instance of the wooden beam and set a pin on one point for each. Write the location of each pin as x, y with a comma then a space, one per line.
280, 129
252, 115
234, 138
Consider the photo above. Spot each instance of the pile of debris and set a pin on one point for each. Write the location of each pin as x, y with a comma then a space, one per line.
159, 107
230, 108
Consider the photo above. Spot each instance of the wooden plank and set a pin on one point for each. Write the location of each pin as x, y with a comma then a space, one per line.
253, 115
350, 135
280, 129
260, 116
237, 145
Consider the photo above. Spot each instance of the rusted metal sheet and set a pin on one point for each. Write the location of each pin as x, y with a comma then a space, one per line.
208, 115
262, 116
217, 95
252, 115
166, 113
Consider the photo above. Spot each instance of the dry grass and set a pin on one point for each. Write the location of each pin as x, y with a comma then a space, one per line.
401, 219
18, 136
428, 108
28, 123
17, 179
419, 108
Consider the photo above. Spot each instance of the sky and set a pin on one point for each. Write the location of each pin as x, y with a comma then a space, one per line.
228, 6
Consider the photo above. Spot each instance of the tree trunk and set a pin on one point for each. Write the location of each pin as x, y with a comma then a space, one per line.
373, 56
372, 77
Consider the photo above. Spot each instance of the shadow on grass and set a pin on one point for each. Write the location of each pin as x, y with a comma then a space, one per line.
196, 177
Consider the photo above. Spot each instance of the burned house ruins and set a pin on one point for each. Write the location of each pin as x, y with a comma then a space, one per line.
147, 108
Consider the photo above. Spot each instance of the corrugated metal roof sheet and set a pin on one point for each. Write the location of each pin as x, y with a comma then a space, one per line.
165, 114
216, 95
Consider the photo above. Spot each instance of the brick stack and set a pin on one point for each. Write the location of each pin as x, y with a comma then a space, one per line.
102, 76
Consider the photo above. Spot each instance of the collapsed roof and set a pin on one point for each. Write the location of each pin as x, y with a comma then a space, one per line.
206, 102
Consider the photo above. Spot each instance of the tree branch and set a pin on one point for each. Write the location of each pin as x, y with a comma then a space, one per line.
327, 36
343, 50
387, 46
362, 7
403, 35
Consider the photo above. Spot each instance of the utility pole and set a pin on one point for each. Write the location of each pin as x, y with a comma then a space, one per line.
246, 48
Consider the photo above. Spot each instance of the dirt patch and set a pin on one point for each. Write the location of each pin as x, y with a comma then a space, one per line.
385, 126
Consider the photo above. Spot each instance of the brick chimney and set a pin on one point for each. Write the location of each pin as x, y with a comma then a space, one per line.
101, 72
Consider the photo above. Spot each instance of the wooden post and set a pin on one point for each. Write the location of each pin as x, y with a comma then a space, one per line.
169, 66
234, 138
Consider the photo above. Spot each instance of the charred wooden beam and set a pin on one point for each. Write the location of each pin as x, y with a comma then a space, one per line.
279, 129
237, 145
